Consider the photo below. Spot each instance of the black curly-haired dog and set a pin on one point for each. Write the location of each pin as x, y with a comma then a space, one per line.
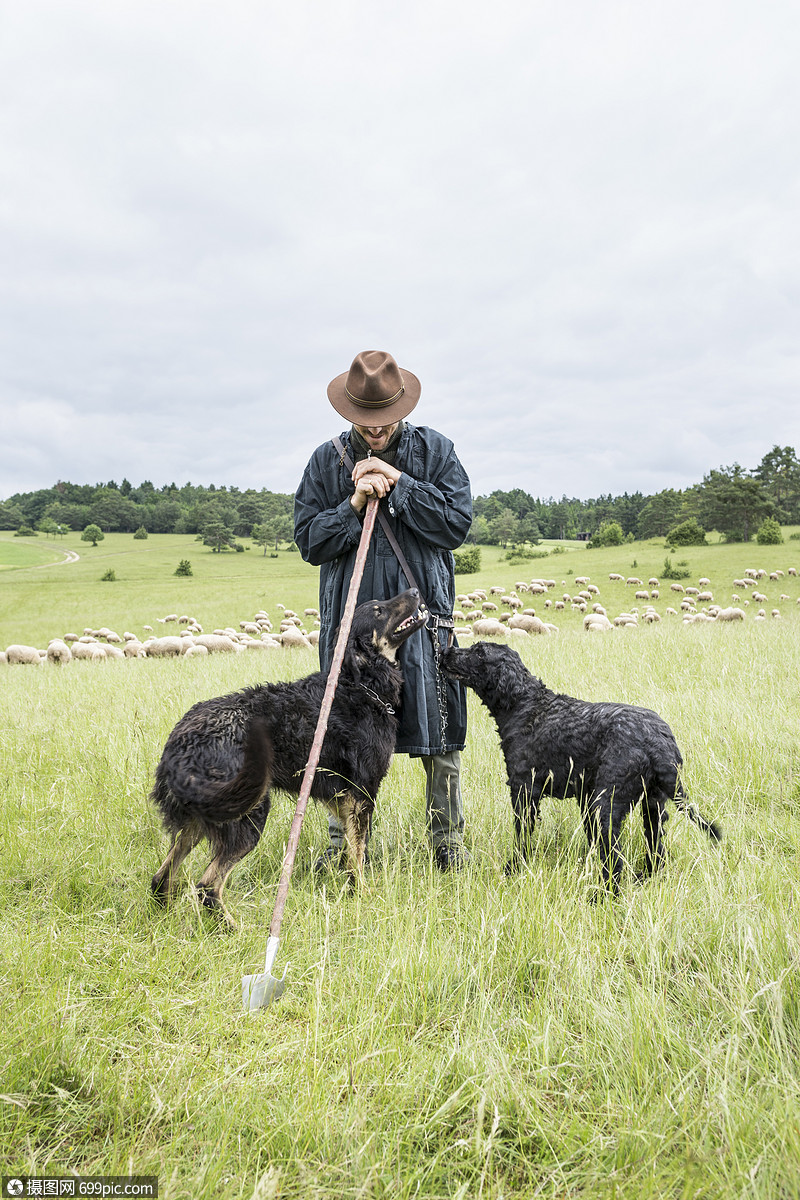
608, 756
225, 755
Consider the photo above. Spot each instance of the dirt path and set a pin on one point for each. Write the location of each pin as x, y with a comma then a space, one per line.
70, 556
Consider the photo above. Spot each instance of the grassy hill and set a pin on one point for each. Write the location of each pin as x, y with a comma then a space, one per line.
42, 596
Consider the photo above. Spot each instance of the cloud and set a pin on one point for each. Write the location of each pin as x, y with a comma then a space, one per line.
575, 223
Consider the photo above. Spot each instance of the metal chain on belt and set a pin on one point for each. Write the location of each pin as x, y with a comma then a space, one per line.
441, 682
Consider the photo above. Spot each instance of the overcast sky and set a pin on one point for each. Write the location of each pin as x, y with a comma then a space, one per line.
576, 221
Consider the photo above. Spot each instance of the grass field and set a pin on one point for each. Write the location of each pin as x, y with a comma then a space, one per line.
464, 1036
42, 596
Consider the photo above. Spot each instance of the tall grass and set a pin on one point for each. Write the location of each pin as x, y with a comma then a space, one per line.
440, 1036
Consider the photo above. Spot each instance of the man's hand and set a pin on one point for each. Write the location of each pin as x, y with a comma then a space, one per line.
372, 477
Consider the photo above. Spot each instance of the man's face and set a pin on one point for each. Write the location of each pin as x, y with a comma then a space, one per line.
376, 436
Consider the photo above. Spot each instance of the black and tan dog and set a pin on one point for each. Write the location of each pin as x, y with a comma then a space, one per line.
225, 755
608, 756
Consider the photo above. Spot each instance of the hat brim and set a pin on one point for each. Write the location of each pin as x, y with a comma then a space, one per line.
363, 414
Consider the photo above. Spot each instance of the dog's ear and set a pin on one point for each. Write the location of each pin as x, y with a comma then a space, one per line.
359, 652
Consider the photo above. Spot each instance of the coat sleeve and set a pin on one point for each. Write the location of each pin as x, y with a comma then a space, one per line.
438, 511
325, 524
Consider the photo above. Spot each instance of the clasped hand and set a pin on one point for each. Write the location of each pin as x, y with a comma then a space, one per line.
372, 477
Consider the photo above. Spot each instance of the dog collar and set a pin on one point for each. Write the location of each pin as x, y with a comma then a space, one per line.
375, 696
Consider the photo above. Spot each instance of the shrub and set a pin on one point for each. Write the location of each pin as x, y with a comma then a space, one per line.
141, 534
109, 577
523, 553
794, 537
688, 533
609, 534
467, 561
769, 533
670, 572
26, 531
558, 550
184, 567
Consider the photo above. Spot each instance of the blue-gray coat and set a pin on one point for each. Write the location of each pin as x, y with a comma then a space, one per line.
430, 512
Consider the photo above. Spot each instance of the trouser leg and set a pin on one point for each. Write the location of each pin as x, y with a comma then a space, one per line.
335, 831
444, 807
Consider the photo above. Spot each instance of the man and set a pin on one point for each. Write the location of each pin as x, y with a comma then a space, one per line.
425, 497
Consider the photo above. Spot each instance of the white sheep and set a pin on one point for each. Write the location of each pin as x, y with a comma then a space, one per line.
196, 652
488, 627
730, 614
293, 639
164, 647
23, 655
58, 652
529, 624
677, 587
91, 651
595, 622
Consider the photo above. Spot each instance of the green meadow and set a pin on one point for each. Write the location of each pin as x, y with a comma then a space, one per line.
440, 1036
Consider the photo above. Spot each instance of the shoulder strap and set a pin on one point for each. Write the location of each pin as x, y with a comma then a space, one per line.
346, 461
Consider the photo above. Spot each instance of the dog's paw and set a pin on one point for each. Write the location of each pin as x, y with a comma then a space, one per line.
210, 902
514, 865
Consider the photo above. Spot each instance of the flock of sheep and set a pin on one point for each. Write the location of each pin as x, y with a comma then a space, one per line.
98, 645
499, 613
480, 613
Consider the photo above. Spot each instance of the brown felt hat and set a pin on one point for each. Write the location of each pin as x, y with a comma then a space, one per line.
374, 391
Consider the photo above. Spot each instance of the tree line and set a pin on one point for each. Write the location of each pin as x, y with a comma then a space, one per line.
732, 500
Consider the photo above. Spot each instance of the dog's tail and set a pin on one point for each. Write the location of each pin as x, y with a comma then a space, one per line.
230, 799
688, 806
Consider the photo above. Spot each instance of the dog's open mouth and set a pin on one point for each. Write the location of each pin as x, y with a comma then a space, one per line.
412, 622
